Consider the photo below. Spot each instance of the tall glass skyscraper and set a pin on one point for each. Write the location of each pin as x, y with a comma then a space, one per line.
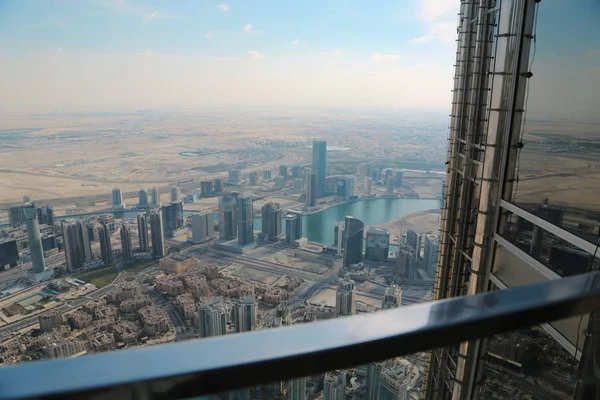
245, 218
319, 164
353, 241
35, 240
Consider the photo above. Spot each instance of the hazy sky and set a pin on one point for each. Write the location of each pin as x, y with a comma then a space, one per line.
125, 54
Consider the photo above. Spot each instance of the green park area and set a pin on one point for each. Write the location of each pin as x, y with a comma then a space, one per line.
99, 277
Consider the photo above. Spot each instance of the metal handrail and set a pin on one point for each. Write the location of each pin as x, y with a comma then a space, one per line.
224, 363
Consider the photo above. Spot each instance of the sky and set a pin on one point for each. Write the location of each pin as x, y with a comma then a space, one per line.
110, 55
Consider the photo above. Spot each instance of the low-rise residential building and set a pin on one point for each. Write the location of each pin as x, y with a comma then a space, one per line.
133, 305
169, 285
154, 320
50, 320
103, 341
130, 290
197, 286
80, 320
106, 312
186, 305
177, 264
127, 332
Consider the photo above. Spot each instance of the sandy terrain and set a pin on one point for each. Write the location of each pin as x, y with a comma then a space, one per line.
422, 222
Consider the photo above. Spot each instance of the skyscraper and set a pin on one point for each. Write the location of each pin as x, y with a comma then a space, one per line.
430, 252
245, 218
206, 188
143, 199
155, 197
126, 247
157, 234
311, 189
334, 385
85, 244
117, 199
212, 317
143, 232
74, 253
377, 245
297, 389
35, 241
353, 241
392, 297
234, 176
203, 227
413, 239
45, 215
395, 382
368, 185
244, 314
172, 214
175, 194
228, 216
319, 164
283, 170
271, 221
345, 297
389, 185
16, 216
105, 245
266, 174
373, 380
293, 227
217, 185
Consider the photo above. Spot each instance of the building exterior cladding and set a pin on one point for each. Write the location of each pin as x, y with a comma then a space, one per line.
430, 251
389, 185
319, 164
175, 194
84, 239
212, 317
126, 247
377, 245
244, 314
45, 215
157, 234
499, 230
373, 381
353, 241
105, 245
413, 239
16, 216
234, 176
117, 199
297, 389
334, 386
143, 199
293, 227
345, 299
311, 189
35, 240
172, 216
392, 297
142, 221
271, 221
228, 216
50, 321
245, 218
203, 227
73, 242
154, 197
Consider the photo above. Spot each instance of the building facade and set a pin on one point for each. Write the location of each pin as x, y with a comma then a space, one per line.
244, 314
35, 240
345, 299
105, 245
228, 216
157, 234
353, 241
203, 227
126, 246
212, 317
293, 227
143, 199
377, 246
245, 218
142, 221
311, 189
271, 221
392, 297
319, 165
117, 199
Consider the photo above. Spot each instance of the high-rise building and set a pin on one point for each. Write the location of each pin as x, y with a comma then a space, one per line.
17, 216
388, 172
293, 227
338, 237
203, 227
228, 216
319, 164
271, 221
311, 189
298, 183
296, 171
345, 187
405, 259
157, 234
35, 241
413, 239
334, 385
245, 218
389, 185
345, 297
377, 245
172, 217
253, 178
283, 171
142, 221
117, 199
234, 176
143, 199
206, 188
368, 185
392, 297
244, 314
85, 243
212, 317
126, 247
71, 244
373, 380
217, 185
279, 182
45, 215
155, 197
105, 245
175, 194
399, 179
396, 382
297, 389
353, 241
266, 174
430, 252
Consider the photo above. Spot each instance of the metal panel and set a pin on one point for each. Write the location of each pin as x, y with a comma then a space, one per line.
231, 362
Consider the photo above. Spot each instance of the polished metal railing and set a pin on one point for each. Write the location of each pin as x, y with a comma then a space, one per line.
206, 366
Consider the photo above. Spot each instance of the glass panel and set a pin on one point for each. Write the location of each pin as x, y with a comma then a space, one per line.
559, 255
559, 165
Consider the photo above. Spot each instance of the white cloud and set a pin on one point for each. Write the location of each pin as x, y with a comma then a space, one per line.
431, 10
154, 15
254, 55
440, 17
223, 7
380, 57
336, 52
330, 53
210, 35
422, 39
299, 41
247, 28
